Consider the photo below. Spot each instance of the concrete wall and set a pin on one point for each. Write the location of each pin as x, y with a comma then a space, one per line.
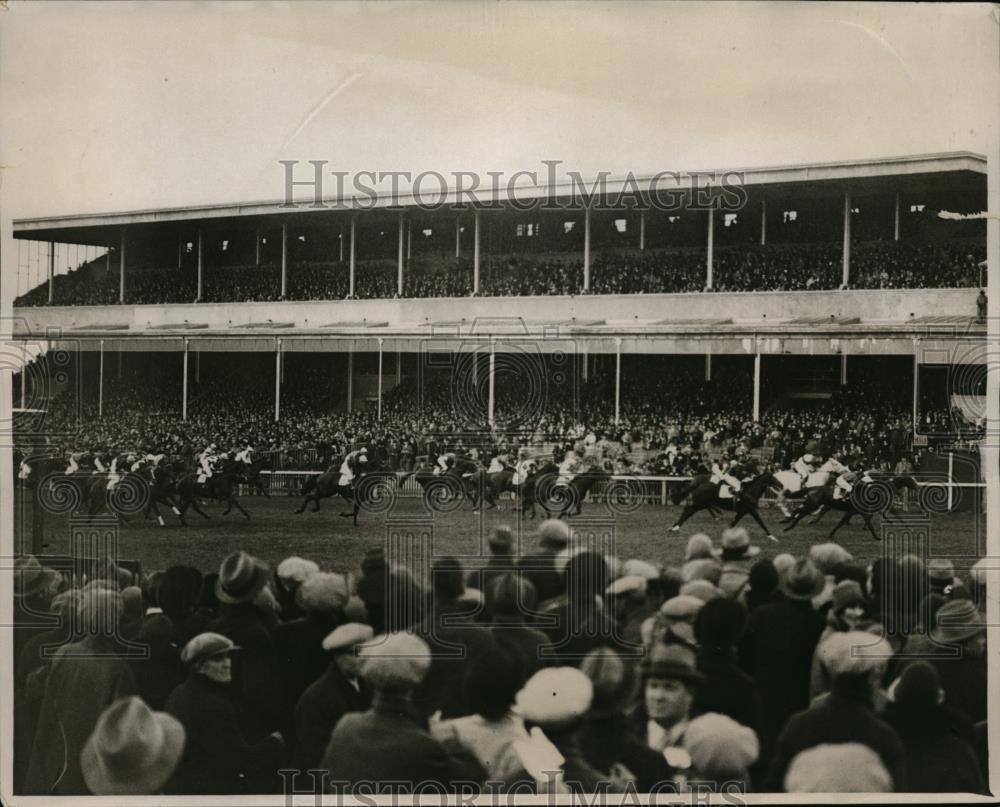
755, 309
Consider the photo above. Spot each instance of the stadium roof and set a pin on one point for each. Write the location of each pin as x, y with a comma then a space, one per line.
959, 171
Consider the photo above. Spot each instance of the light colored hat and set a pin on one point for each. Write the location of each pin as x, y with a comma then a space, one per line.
640, 568
554, 532
702, 569
719, 746
555, 696
702, 589
838, 768
699, 545
204, 646
395, 661
30, 577
241, 577
783, 562
683, 606
733, 580
978, 572
296, 570
322, 593
827, 556
736, 545
132, 750
615, 682
803, 581
344, 637
854, 653
629, 584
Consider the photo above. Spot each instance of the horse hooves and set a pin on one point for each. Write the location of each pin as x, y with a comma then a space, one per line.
345, 515
675, 528
772, 537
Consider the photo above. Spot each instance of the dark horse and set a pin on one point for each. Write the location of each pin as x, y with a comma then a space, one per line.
705, 496
221, 486
365, 488
162, 481
880, 494
488, 487
250, 475
562, 500
456, 483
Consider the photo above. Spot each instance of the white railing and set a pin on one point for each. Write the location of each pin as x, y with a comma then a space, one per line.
655, 489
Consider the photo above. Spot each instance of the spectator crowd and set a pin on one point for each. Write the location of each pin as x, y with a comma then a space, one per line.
548, 666
779, 267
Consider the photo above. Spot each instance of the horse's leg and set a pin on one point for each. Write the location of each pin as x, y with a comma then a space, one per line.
843, 521
357, 508
301, 509
823, 510
871, 528
736, 519
238, 506
755, 515
229, 506
800, 512
198, 510
689, 511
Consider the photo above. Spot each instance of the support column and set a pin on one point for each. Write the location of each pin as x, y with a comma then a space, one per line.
475, 254
895, 225
197, 367
277, 380
284, 260
586, 249
763, 222
121, 269
399, 366
100, 383
354, 226
492, 380
180, 250
846, 272
107, 258
184, 384
52, 270
916, 384
756, 387
618, 378
708, 366
350, 378
201, 268
409, 240
458, 236
119, 364
257, 247
843, 369
709, 255
24, 386
380, 341
399, 260
586, 366
341, 244
642, 230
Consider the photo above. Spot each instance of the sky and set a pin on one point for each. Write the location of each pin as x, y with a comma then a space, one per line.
119, 106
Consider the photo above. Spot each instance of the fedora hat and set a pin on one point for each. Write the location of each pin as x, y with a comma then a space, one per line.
803, 581
241, 577
736, 545
956, 621
132, 750
30, 577
671, 661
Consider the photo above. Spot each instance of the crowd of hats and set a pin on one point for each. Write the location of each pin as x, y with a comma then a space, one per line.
786, 267
559, 647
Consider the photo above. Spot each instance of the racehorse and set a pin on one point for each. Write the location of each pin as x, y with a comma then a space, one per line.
440, 489
821, 500
706, 495
162, 482
566, 500
220, 486
327, 484
681, 492
487, 487
250, 474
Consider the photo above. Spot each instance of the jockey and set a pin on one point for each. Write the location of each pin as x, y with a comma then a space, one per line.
244, 455
353, 459
571, 465
99, 466
804, 466
74, 462
727, 473
444, 462
846, 481
206, 463
499, 463
834, 465
524, 468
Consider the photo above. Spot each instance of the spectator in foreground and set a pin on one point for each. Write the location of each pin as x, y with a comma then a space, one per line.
837, 768
133, 750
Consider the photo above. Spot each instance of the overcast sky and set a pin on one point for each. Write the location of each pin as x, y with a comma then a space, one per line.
120, 106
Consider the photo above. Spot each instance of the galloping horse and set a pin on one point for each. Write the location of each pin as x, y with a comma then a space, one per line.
487, 487
327, 484
250, 474
439, 489
220, 486
821, 500
792, 486
706, 496
162, 483
565, 500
